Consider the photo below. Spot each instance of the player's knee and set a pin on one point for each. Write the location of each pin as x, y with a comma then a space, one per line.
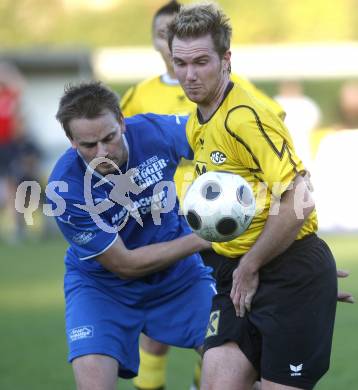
227, 367
257, 386
268, 385
95, 372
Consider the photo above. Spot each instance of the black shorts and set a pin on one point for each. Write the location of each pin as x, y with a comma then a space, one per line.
213, 260
287, 336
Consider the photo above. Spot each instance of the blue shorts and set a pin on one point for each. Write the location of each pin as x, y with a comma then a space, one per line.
99, 322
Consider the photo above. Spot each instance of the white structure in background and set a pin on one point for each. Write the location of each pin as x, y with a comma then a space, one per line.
335, 181
256, 62
303, 115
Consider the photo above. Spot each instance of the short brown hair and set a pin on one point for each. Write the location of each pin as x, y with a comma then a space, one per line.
197, 20
170, 8
86, 100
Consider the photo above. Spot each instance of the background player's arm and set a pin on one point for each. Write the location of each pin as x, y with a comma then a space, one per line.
278, 234
129, 103
142, 261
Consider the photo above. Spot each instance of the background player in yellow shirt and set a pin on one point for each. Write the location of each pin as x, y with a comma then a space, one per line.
274, 312
163, 94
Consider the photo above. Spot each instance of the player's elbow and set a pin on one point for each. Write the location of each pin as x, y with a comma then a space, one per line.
309, 209
307, 205
128, 267
300, 200
128, 273
302, 211
122, 273
124, 270
119, 261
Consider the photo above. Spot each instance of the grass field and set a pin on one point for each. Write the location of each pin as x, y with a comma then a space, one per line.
33, 347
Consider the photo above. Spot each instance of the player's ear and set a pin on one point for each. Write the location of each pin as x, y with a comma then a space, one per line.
227, 60
74, 144
70, 138
155, 43
122, 123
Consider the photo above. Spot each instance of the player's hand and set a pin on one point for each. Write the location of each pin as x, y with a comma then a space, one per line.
244, 285
342, 296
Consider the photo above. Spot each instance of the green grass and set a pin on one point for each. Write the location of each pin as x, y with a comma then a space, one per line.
33, 346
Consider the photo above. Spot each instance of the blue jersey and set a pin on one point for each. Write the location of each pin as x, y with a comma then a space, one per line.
155, 146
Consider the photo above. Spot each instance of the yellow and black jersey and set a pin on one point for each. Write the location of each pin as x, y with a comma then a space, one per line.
258, 94
245, 137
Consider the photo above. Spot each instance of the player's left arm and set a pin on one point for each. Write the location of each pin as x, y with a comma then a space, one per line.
265, 149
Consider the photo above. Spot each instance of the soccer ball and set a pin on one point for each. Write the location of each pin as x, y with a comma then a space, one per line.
219, 206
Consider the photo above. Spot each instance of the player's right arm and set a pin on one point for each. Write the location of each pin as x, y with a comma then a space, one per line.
139, 262
101, 242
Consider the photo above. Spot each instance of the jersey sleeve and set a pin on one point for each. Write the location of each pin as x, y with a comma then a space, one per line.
264, 147
83, 234
258, 94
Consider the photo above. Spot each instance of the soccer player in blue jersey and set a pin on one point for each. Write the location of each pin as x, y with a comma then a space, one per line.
131, 265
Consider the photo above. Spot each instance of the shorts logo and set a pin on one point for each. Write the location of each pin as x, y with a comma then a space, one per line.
213, 327
82, 332
217, 157
296, 370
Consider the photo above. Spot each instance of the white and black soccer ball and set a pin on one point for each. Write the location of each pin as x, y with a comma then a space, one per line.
219, 206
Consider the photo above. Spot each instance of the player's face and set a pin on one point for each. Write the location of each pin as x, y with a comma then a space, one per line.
199, 68
160, 37
100, 137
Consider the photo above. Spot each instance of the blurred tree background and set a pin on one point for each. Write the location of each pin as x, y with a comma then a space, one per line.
94, 23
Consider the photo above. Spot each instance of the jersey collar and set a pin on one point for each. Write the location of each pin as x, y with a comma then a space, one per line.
229, 87
166, 79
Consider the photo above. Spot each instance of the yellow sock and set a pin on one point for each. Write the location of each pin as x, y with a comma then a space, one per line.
152, 371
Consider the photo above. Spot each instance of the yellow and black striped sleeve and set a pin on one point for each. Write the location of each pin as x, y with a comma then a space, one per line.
263, 146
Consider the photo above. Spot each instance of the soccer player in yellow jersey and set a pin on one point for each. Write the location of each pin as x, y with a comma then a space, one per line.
164, 95
273, 316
